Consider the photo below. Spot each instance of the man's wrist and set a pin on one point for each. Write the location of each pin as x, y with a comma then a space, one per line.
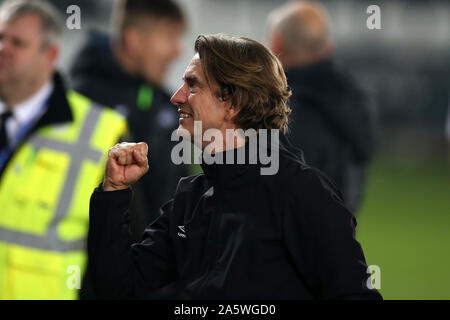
107, 187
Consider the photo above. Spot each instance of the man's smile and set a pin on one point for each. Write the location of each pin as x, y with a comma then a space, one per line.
184, 114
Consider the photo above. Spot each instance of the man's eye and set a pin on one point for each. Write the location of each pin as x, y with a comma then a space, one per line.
18, 43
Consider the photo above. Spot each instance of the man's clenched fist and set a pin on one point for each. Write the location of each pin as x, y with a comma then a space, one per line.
127, 163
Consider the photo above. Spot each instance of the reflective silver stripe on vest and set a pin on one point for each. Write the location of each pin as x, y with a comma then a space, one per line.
78, 152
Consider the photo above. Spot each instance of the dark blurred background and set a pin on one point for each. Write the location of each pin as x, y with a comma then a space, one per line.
404, 223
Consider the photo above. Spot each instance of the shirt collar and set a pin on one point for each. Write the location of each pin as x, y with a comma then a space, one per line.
30, 108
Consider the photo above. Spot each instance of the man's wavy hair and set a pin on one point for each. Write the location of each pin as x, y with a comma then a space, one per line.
245, 72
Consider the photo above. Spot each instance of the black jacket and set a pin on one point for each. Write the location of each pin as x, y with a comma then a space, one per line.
332, 122
232, 233
96, 74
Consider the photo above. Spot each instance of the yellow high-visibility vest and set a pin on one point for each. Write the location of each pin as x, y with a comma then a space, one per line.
44, 202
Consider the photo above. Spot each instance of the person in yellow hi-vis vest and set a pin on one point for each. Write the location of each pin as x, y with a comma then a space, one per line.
53, 145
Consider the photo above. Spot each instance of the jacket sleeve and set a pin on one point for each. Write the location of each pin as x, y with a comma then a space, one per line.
120, 269
320, 236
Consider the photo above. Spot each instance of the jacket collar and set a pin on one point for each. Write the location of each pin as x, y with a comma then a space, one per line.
58, 109
224, 172
235, 174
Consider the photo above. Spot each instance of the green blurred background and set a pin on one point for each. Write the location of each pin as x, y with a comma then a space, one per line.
403, 226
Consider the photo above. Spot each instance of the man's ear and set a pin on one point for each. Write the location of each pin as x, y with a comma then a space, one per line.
276, 43
328, 48
130, 40
230, 111
52, 53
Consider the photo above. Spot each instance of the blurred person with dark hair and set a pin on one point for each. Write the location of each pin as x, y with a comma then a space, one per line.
126, 72
332, 121
52, 149
231, 232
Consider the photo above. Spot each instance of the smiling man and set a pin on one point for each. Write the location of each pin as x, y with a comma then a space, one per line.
197, 102
230, 233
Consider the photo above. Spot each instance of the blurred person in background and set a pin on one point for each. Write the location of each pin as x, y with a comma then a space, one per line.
126, 72
53, 143
331, 119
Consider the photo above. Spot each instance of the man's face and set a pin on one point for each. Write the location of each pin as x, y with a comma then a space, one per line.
22, 57
159, 45
197, 101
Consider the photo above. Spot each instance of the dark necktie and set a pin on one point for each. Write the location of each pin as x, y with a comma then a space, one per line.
3, 135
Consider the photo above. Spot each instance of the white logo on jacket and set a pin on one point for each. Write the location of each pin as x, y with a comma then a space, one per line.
183, 233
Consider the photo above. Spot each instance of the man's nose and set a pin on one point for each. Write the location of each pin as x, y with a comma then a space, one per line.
179, 97
4, 47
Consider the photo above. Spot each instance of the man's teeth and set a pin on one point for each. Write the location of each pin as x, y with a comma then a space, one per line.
185, 115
